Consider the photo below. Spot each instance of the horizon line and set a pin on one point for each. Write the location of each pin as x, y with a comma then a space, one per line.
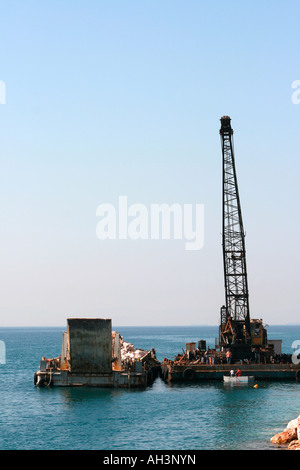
144, 326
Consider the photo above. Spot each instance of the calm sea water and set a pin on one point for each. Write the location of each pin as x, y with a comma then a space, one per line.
186, 417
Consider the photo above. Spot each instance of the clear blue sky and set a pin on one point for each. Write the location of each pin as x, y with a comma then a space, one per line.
111, 98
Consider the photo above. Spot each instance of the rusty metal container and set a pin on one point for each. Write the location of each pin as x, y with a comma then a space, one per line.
202, 345
90, 345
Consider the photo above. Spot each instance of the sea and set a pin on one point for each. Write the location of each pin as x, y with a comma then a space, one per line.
195, 416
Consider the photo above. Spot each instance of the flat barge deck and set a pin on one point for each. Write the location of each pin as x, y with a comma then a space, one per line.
117, 379
194, 372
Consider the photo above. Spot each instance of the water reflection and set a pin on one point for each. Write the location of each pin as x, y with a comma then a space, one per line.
70, 395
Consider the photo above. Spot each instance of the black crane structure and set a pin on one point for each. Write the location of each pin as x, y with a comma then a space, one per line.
235, 314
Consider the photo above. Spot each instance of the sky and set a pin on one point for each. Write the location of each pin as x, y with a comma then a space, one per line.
110, 99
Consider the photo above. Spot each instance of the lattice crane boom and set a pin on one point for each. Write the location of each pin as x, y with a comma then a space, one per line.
235, 315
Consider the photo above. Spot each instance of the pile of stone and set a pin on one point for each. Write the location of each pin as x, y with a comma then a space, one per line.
289, 436
128, 351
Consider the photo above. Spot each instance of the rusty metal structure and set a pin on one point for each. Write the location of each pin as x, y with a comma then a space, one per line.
242, 340
92, 356
235, 331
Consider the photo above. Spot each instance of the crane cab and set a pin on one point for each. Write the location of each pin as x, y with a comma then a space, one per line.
258, 333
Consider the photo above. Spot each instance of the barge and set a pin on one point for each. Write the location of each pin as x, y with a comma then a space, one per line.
193, 372
93, 355
213, 364
243, 341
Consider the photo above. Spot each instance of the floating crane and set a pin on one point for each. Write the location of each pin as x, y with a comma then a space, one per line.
237, 331
243, 336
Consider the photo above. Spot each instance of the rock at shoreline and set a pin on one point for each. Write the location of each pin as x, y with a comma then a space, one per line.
284, 437
290, 435
294, 445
